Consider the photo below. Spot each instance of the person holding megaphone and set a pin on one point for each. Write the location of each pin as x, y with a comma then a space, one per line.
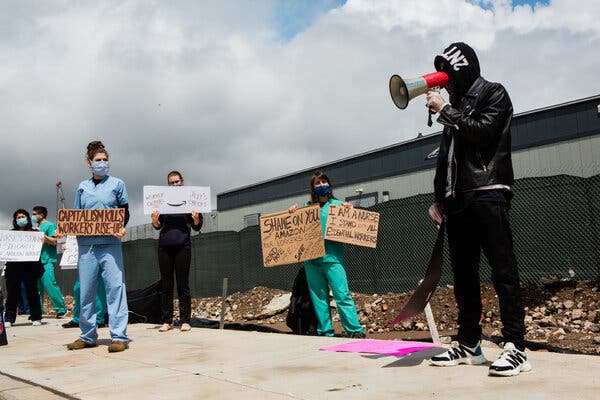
473, 191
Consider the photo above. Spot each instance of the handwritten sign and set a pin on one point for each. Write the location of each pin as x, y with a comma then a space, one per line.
105, 221
352, 225
20, 245
176, 199
289, 238
71, 254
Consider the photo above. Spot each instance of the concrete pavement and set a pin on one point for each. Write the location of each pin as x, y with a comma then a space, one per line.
214, 364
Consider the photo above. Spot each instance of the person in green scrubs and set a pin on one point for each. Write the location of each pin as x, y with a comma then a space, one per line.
328, 271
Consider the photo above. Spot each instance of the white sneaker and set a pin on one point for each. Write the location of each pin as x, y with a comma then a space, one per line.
37, 323
511, 362
7, 324
459, 354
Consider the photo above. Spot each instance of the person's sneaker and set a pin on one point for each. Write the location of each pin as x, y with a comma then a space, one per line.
70, 324
60, 315
459, 354
7, 324
117, 346
80, 344
511, 362
358, 335
37, 323
185, 327
165, 327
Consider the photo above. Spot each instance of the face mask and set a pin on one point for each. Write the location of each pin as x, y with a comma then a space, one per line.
100, 168
322, 191
176, 184
21, 222
34, 219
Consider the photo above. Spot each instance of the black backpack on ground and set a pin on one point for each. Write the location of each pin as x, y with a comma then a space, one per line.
144, 305
301, 317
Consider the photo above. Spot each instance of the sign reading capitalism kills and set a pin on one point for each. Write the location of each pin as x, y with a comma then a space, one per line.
90, 222
289, 238
352, 225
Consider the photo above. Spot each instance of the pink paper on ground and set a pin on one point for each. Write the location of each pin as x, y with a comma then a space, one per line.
387, 347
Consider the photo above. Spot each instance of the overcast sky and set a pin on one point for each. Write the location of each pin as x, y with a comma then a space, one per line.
236, 92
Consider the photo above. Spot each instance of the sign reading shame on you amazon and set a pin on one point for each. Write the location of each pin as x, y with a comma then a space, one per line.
90, 222
352, 225
289, 238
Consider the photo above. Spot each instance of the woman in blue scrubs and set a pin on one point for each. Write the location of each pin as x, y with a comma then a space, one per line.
101, 255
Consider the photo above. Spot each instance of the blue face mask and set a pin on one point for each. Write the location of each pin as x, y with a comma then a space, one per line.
100, 168
322, 191
34, 219
21, 222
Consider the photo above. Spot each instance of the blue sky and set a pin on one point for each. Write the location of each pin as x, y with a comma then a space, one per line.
487, 4
294, 16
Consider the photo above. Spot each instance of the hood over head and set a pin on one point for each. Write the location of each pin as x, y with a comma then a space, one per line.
460, 62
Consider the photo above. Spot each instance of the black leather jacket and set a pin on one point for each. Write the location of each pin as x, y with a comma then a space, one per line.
481, 130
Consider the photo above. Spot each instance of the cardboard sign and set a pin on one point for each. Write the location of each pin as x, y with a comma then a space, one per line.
71, 254
20, 245
289, 238
352, 225
176, 199
107, 221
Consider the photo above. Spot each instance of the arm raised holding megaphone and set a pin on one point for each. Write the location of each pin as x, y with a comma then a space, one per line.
435, 101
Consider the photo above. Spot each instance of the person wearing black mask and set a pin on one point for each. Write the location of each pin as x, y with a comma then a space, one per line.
473, 191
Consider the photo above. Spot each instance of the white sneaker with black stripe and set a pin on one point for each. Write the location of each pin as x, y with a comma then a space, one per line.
459, 354
511, 362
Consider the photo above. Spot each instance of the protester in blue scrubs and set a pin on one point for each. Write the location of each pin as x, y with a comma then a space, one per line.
101, 255
329, 270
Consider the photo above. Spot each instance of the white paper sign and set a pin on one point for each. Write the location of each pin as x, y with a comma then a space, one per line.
20, 245
176, 199
71, 254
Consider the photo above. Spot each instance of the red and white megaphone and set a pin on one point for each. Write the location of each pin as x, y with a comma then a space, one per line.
404, 90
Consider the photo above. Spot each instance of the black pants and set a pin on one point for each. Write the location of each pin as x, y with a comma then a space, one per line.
485, 226
175, 260
13, 292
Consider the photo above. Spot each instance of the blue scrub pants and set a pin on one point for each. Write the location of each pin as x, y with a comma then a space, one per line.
107, 260
321, 275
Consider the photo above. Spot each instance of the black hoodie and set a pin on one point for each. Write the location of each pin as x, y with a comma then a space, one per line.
460, 62
477, 124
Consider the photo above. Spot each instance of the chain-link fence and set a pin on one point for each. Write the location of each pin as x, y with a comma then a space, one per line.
555, 222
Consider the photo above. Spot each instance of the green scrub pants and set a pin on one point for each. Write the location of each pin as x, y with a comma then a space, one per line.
100, 302
321, 275
48, 283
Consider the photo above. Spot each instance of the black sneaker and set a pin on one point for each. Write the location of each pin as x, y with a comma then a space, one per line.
459, 354
358, 335
70, 324
511, 362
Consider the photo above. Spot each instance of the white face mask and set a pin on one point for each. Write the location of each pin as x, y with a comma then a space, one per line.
100, 168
